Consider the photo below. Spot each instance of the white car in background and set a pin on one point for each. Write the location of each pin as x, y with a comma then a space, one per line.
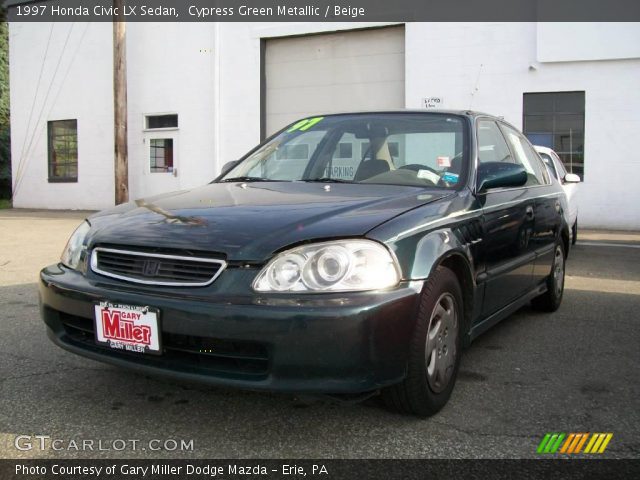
569, 182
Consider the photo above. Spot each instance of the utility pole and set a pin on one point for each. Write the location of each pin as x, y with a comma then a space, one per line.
121, 166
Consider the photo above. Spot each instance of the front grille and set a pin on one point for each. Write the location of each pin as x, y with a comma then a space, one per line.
156, 268
182, 352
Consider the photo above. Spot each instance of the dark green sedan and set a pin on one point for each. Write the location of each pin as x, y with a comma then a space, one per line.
347, 254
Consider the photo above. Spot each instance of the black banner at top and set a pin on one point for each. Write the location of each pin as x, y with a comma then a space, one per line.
323, 10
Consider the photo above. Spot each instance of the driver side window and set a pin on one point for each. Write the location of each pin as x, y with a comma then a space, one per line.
525, 156
492, 146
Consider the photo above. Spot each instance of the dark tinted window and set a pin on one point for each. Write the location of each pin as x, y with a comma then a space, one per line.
345, 150
162, 121
63, 150
556, 120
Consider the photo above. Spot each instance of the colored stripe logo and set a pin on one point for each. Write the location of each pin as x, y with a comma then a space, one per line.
574, 443
304, 125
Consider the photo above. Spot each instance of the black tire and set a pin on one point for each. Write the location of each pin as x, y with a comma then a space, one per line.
574, 233
422, 394
550, 300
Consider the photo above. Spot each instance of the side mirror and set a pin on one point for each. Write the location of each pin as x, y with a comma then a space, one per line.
571, 178
226, 168
500, 175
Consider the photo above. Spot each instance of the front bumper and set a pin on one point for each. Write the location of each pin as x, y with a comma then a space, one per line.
313, 343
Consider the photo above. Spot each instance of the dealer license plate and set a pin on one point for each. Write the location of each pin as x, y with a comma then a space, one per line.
127, 327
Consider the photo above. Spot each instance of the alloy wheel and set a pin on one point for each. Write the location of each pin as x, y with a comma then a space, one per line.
558, 271
441, 343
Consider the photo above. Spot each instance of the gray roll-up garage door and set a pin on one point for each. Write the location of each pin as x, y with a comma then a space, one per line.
334, 72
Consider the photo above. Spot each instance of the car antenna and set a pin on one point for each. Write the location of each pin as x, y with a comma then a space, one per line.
475, 87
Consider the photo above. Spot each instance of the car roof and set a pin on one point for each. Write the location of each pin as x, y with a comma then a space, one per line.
468, 113
465, 113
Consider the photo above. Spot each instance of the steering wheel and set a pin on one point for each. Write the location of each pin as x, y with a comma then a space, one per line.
416, 167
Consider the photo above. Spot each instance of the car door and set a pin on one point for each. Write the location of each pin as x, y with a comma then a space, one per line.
547, 219
508, 215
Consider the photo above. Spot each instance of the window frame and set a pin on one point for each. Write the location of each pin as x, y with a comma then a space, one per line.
145, 122
50, 150
339, 148
173, 155
554, 114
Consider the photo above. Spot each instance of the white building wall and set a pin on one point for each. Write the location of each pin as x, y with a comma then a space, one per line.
171, 69
571, 41
74, 81
210, 75
239, 70
488, 66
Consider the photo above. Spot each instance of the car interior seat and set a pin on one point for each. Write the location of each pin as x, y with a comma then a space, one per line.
370, 168
456, 165
381, 161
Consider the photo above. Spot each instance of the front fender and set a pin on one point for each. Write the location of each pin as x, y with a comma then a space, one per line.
421, 238
418, 255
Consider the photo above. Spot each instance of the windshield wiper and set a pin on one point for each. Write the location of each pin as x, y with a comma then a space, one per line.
327, 180
247, 179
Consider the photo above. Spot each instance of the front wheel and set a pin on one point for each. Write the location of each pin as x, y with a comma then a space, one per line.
550, 300
435, 349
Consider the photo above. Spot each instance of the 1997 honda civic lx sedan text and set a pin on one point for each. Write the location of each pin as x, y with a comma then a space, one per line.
347, 254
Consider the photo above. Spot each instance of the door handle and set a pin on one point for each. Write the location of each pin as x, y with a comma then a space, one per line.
529, 212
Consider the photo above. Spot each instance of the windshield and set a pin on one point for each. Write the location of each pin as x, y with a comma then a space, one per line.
397, 149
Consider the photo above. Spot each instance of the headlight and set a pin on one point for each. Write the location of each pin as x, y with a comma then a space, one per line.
73, 250
339, 266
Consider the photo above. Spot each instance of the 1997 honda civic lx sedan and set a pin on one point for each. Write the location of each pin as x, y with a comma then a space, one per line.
346, 254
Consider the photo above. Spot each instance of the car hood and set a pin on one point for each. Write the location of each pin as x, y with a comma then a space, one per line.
250, 221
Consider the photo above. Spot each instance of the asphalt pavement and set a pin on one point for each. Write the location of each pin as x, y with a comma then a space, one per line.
576, 370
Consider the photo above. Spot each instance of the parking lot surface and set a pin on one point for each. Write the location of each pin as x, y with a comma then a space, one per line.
572, 371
